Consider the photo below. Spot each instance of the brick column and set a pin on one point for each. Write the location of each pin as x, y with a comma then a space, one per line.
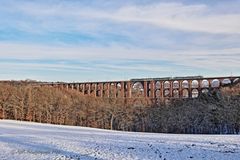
114, 90
78, 87
129, 90
108, 90
162, 89
152, 89
101, 89
190, 88
95, 89
180, 89
171, 88
209, 83
89, 89
122, 89
83, 88
145, 88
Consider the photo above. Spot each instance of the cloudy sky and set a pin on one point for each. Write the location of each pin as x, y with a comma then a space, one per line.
98, 40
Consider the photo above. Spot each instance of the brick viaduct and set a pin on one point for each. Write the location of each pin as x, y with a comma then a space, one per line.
153, 88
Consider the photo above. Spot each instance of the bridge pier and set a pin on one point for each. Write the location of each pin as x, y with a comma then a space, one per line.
129, 90
145, 89
152, 89
122, 89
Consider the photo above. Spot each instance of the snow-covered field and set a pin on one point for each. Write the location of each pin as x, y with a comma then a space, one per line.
26, 140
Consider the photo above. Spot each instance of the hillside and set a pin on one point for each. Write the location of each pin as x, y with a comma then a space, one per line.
27, 140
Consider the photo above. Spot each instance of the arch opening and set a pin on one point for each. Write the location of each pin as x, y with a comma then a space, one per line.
195, 84
105, 86
175, 84
226, 81
185, 93
137, 89
158, 85
166, 93
113, 90
118, 88
205, 84
158, 93
195, 93
185, 84
215, 83
166, 85
176, 93
81, 87
98, 86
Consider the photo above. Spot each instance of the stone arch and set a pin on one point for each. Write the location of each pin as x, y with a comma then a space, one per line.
175, 84
76, 86
185, 84
98, 86
113, 89
105, 86
226, 81
119, 86
81, 87
166, 93
176, 93
158, 93
158, 85
166, 85
185, 93
215, 83
205, 84
87, 88
98, 89
137, 89
195, 84
137, 85
93, 86
195, 93
106, 89
150, 88
112, 85
118, 89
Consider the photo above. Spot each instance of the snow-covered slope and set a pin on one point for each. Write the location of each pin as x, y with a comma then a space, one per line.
26, 140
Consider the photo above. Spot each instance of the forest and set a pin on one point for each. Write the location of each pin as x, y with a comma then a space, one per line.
211, 113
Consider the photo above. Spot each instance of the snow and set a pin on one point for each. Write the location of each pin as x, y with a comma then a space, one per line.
28, 140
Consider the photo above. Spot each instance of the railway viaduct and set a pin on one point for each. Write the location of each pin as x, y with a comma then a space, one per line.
152, 88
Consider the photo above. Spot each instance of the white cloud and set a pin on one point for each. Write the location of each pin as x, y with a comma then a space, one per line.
208, 59
196, 18
191, 18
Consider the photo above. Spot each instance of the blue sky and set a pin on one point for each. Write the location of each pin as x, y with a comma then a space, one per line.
71, 40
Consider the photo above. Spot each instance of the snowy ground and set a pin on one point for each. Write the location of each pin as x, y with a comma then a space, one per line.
25, 140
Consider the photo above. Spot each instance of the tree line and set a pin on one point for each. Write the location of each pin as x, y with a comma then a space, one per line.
213, 113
